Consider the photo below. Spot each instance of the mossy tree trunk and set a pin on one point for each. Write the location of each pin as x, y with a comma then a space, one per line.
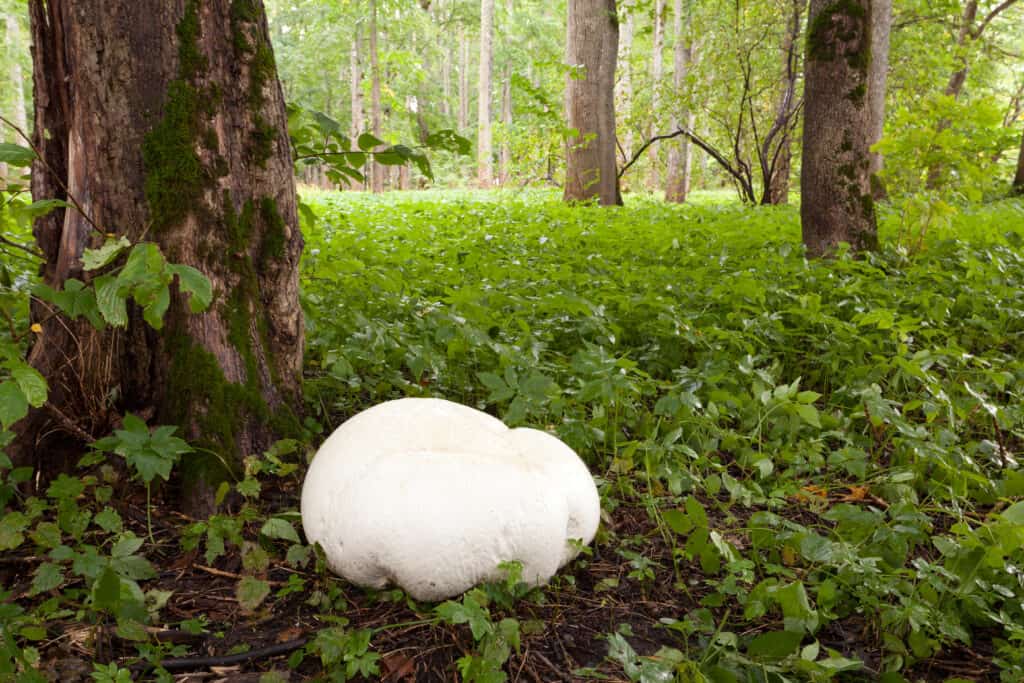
592, 42
836, 204
165, 121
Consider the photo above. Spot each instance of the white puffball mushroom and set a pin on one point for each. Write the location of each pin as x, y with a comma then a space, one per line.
432, 496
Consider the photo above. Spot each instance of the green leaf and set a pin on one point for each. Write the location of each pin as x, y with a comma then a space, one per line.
775, 644
367, 142
47, 577
111, 300
677, 521
16, 155
97, 258
13, 404
808, 414
251, 592
275, 527
195, 284
31, 383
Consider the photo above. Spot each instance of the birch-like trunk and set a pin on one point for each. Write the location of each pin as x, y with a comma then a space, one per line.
881, 25
484, 137
376, 170
463, 81
657, 71
677, 186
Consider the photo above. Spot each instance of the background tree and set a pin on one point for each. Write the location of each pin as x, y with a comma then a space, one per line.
176, 136
592, 45
878, 75
836, 204
1018, 179
677, 184
485, 169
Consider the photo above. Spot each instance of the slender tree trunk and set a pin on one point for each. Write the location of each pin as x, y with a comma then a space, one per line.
776, 157
1018, 180
592, 41
878, 74
176, 136
446, 81
463, 81
955, 85
624, 88
505, 153
355, 86
484, 142
17, 81
677, 185
836, 204
657, 71
376, 170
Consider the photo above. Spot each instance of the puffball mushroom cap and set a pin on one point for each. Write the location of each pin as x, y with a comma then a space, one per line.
432, 496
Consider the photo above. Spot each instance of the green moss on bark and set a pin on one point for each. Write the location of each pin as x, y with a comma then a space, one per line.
826, 33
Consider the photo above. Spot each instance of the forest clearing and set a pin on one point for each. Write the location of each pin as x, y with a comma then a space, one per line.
746, 274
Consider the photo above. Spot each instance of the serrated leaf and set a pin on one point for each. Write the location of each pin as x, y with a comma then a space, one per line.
111, 301
31, 383
47, 577
677, 521
276, 527
251, 592
97, 258
13, 404
195, 284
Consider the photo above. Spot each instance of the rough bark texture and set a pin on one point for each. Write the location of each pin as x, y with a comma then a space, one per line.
165, 121
878, 75
677, 184
592, 44
376, 170
657, 71
836, 204
1018, 180
484, 142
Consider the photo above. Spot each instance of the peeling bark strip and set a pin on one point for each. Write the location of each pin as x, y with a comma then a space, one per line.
165, 120
836, 204
592, 45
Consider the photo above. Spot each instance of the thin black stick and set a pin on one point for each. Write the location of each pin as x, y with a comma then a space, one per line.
195, 663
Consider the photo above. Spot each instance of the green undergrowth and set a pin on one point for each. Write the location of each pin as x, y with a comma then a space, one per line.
853, 424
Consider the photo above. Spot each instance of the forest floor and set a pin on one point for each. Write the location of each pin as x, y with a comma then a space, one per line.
808, 471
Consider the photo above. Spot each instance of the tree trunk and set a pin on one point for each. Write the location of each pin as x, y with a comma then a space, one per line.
355, 87
592, 42
446, 82
878, 74
463, 81
776, 157
165, 122
624, 88
836, 204
376, 170
17, 82
1018, 180
677, 185
956, 81
505, 153
657, 71
484, 145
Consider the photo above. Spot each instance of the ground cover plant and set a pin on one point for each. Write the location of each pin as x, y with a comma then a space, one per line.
808, 468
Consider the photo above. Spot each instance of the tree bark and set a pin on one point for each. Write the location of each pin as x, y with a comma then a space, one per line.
657, 72
17, 81
505, 153
376, 170
592, 43
484, 142
878, 74
1018, 180
677, 185
165, 122
836, 204
624, 88
355, 87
